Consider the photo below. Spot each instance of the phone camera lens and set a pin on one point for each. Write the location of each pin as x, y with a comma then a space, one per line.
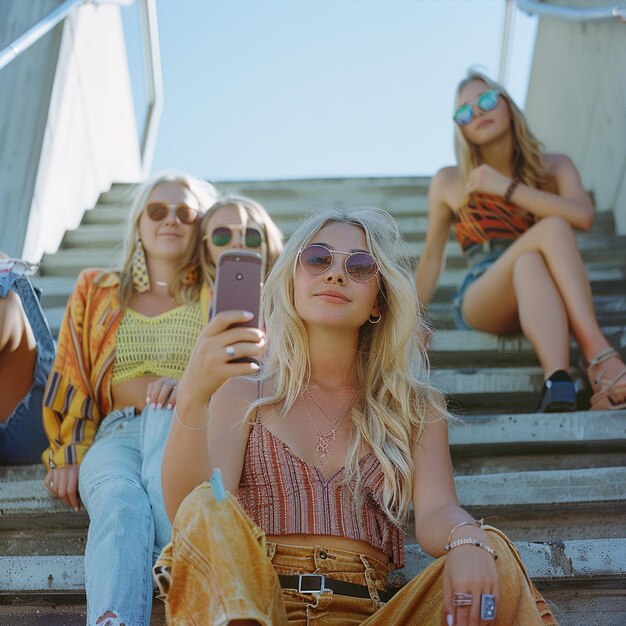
239, 276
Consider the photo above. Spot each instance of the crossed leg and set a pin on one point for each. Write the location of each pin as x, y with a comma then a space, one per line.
539, 284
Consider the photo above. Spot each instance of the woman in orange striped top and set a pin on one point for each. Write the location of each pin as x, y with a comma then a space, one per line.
325, 451
514, 209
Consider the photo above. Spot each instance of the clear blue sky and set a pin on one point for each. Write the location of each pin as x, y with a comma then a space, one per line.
258, 89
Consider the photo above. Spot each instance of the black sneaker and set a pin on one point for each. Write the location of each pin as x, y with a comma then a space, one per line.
559, 394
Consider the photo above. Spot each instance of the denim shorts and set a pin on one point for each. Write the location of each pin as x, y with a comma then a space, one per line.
22, 437
480, 259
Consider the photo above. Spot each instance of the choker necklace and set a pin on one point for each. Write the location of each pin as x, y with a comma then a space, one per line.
324, 440
160, 283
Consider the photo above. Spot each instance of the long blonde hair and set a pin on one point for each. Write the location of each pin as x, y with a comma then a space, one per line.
528, 161
391, 369
272, 243
180, 289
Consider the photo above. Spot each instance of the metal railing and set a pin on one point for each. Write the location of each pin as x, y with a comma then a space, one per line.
545, 9
574, 14
152, 58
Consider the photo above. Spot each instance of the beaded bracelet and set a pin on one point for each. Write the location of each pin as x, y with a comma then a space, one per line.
477, 523
472, 542
177, 418
510, 189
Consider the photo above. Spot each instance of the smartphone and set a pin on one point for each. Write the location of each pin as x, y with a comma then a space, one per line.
238, 283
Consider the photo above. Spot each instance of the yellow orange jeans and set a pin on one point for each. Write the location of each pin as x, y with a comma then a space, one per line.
219, 567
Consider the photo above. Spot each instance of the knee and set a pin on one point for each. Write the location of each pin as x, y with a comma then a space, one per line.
528, 264
113, 493
555, 230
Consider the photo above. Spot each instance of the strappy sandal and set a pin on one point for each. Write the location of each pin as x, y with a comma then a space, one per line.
605, 390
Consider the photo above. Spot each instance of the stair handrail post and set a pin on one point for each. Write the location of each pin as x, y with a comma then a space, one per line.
154, 82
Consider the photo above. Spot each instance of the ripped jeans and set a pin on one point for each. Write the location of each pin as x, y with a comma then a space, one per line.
120, 486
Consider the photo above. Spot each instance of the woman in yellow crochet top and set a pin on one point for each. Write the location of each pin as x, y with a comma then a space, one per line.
124, 342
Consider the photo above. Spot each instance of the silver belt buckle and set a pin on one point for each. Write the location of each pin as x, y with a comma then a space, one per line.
312, 584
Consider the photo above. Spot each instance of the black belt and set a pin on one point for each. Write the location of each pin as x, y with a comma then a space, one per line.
317, 583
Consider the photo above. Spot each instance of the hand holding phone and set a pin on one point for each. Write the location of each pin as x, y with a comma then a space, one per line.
238, 284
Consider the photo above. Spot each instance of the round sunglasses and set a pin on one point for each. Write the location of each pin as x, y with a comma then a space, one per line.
487, 101
158, 211
359, 266
222, 235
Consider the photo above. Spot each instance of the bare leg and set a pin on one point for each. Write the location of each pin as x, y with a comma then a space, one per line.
17, 354
490, 303
541, 312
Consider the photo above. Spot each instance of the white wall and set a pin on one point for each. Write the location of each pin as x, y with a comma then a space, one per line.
577, 101
90, 136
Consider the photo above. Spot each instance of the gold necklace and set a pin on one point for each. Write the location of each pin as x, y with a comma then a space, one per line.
324, 440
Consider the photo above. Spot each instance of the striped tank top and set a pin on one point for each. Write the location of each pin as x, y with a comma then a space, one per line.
486, 217
285, 495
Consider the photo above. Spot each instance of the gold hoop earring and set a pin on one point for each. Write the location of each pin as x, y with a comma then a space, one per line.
141, 278
192, 275
373, 319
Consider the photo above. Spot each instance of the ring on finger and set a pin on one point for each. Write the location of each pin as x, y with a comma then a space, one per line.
230, 350
51, 483
462, 599
487, 607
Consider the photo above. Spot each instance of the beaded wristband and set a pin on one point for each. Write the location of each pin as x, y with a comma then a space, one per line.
177, 418
472, 542
510, 189
477, 523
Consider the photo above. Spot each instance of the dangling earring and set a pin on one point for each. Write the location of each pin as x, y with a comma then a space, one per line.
141, 278
192, 275
373, 319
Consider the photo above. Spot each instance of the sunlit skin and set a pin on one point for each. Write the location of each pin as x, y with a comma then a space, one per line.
18, 351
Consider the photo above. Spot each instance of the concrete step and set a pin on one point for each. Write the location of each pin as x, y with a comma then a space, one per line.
594, 247
466, 348
610, 311
559, 570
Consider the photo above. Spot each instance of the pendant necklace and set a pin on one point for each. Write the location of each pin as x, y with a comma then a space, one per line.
324, 440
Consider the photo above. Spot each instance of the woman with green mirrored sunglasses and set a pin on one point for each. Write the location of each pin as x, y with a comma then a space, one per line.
237, 222
514, 208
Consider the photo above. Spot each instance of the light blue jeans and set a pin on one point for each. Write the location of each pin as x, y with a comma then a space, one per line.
120, 486
22, 437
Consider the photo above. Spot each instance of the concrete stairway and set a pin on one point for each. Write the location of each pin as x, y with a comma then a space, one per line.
556, 484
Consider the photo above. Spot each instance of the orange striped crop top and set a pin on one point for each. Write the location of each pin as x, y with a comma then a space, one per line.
285, 495
485, 217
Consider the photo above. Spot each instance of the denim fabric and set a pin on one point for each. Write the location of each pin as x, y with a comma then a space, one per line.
120, 486
480, 260
219, 567
22, 437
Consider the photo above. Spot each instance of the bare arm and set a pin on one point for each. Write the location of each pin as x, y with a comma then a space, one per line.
198, 432
440, 217
468, 567
570, 201
435, 502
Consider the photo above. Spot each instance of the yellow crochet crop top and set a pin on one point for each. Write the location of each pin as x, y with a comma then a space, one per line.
156, 346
